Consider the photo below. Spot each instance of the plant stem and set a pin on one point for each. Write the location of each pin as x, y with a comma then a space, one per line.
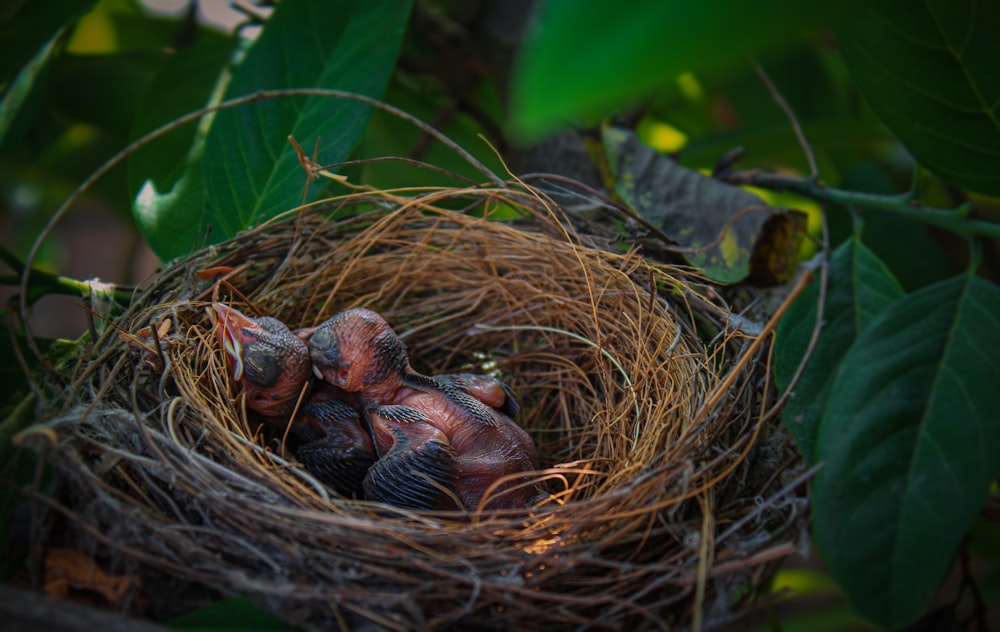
47, 283
955, 220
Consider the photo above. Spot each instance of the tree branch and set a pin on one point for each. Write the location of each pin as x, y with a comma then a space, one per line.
955, 220
44, 283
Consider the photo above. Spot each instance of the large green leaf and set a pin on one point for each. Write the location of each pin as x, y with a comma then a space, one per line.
23, 96
174, 220
165, 177
929, 71
587, 58
388, 135
859, 287
31, 25
101, 90
911, 442
251, 171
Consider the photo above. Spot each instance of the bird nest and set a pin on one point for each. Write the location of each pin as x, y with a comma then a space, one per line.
663, 471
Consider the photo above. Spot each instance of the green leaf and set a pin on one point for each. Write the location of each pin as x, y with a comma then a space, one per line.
174, 220
929, 71
239, 613
251, 171
166, 177
33, 24
911, 441
720, 221
101, 90
22, 97
859, 287
894, 238
588, 58
14, 380
388, 135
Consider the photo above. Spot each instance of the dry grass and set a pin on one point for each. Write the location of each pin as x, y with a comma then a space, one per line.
656, 466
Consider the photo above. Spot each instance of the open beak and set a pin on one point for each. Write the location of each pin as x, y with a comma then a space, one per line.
229, 326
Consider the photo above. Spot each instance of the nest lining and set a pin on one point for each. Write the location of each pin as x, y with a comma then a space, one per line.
638, 445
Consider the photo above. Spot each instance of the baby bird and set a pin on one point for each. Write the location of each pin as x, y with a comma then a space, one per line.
266, 360
451, 433
272, 367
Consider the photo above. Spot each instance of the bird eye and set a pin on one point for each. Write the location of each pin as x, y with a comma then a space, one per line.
320, 339
260, 365
323, 348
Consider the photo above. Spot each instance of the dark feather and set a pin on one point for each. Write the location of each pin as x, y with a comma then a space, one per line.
414, 478
460, 381
343, 470
475, 408
337, 449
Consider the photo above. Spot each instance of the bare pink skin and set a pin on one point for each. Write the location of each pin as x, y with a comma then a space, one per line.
485, 388
485, 453
358, 352
272, 368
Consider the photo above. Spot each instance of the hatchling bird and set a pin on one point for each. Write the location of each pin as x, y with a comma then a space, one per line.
271, 365
437, 439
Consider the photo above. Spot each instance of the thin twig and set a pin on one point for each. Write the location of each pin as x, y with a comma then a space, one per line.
787, 109
824, 272
770, 503
406, 161
706, 557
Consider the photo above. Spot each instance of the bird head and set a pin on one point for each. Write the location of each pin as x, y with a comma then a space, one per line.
265, 358
357, 351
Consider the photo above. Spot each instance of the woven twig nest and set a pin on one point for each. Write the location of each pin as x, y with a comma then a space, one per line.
650, 433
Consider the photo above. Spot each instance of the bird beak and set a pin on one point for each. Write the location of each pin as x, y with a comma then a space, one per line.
305, 333
229, 326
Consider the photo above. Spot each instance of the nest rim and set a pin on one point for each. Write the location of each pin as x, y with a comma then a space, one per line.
616, 508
